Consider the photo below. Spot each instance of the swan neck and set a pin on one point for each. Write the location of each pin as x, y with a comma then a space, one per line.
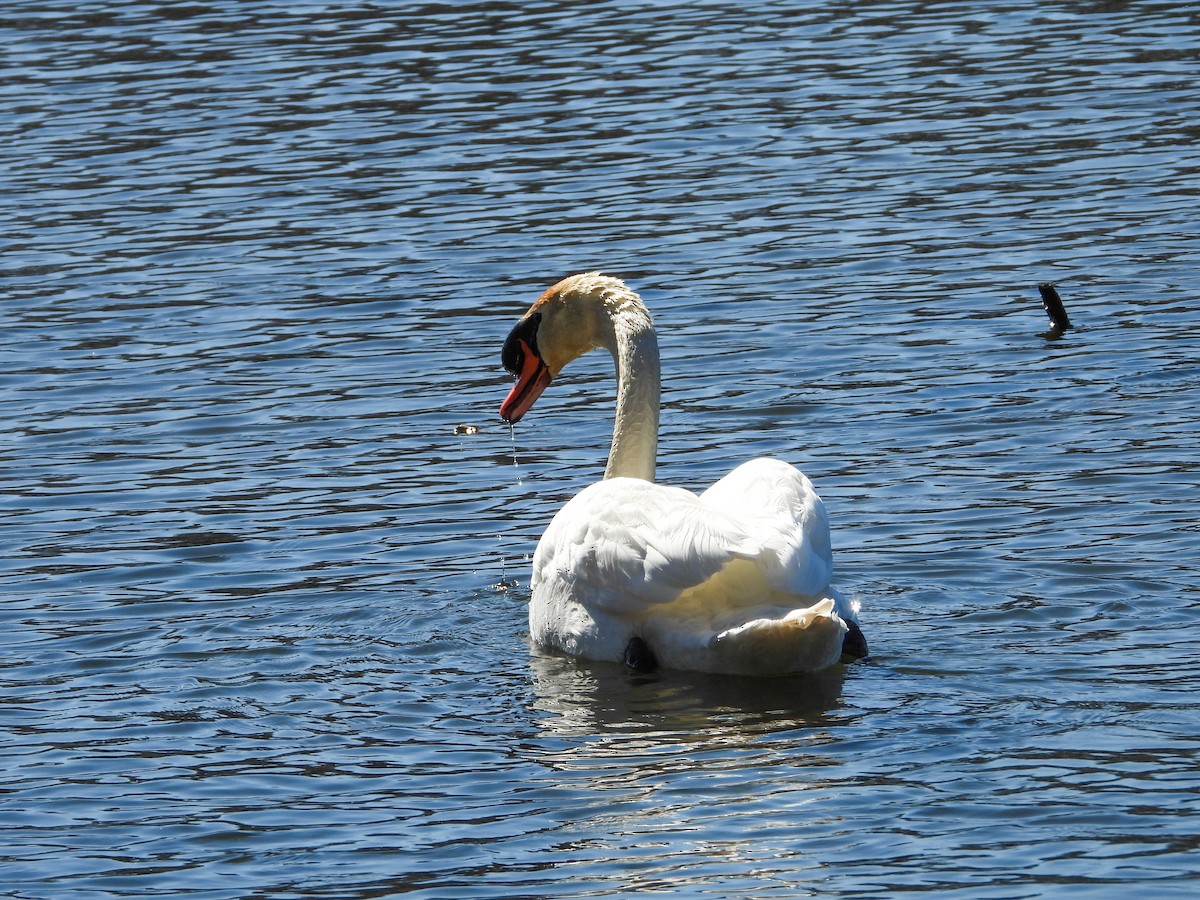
635, 432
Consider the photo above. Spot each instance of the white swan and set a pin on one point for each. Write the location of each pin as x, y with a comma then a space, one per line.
735, 580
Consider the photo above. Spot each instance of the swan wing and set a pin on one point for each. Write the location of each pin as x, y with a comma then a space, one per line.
777, 506
624, 544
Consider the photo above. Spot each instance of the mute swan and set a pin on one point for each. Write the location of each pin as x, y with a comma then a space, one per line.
735, 580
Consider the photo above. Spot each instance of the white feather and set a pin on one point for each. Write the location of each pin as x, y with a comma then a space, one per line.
735, 580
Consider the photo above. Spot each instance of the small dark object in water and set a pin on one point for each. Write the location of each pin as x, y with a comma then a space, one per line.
466, 429
854, 644
1054, 307
639, 656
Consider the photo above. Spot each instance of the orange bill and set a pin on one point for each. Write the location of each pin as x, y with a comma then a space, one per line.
531, 381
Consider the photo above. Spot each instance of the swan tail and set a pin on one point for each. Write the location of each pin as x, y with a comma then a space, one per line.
804, 640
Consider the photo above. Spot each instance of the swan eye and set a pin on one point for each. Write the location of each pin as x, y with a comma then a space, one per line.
522, 337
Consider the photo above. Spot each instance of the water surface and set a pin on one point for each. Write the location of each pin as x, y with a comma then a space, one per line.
264, 610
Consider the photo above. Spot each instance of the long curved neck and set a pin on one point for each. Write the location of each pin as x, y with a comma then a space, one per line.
635, 432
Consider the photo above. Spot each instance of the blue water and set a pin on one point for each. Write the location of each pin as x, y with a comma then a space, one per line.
263, 608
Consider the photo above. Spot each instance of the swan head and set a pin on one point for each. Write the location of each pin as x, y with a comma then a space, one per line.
568, 320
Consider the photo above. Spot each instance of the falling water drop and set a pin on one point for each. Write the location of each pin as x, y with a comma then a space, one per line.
502, 584
512, 435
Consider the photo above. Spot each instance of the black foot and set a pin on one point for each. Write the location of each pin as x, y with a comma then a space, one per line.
639, 656
854, 644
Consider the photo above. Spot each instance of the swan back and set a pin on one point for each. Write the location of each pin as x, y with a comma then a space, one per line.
778, 506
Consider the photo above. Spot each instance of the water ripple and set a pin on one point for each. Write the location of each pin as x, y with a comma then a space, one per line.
264, 607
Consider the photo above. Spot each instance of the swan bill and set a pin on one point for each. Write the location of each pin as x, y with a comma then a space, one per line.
532, 378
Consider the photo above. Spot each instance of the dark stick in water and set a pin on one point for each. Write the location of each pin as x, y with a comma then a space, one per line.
1054, 307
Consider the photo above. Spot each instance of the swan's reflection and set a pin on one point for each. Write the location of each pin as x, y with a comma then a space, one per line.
578, 698
650, 762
